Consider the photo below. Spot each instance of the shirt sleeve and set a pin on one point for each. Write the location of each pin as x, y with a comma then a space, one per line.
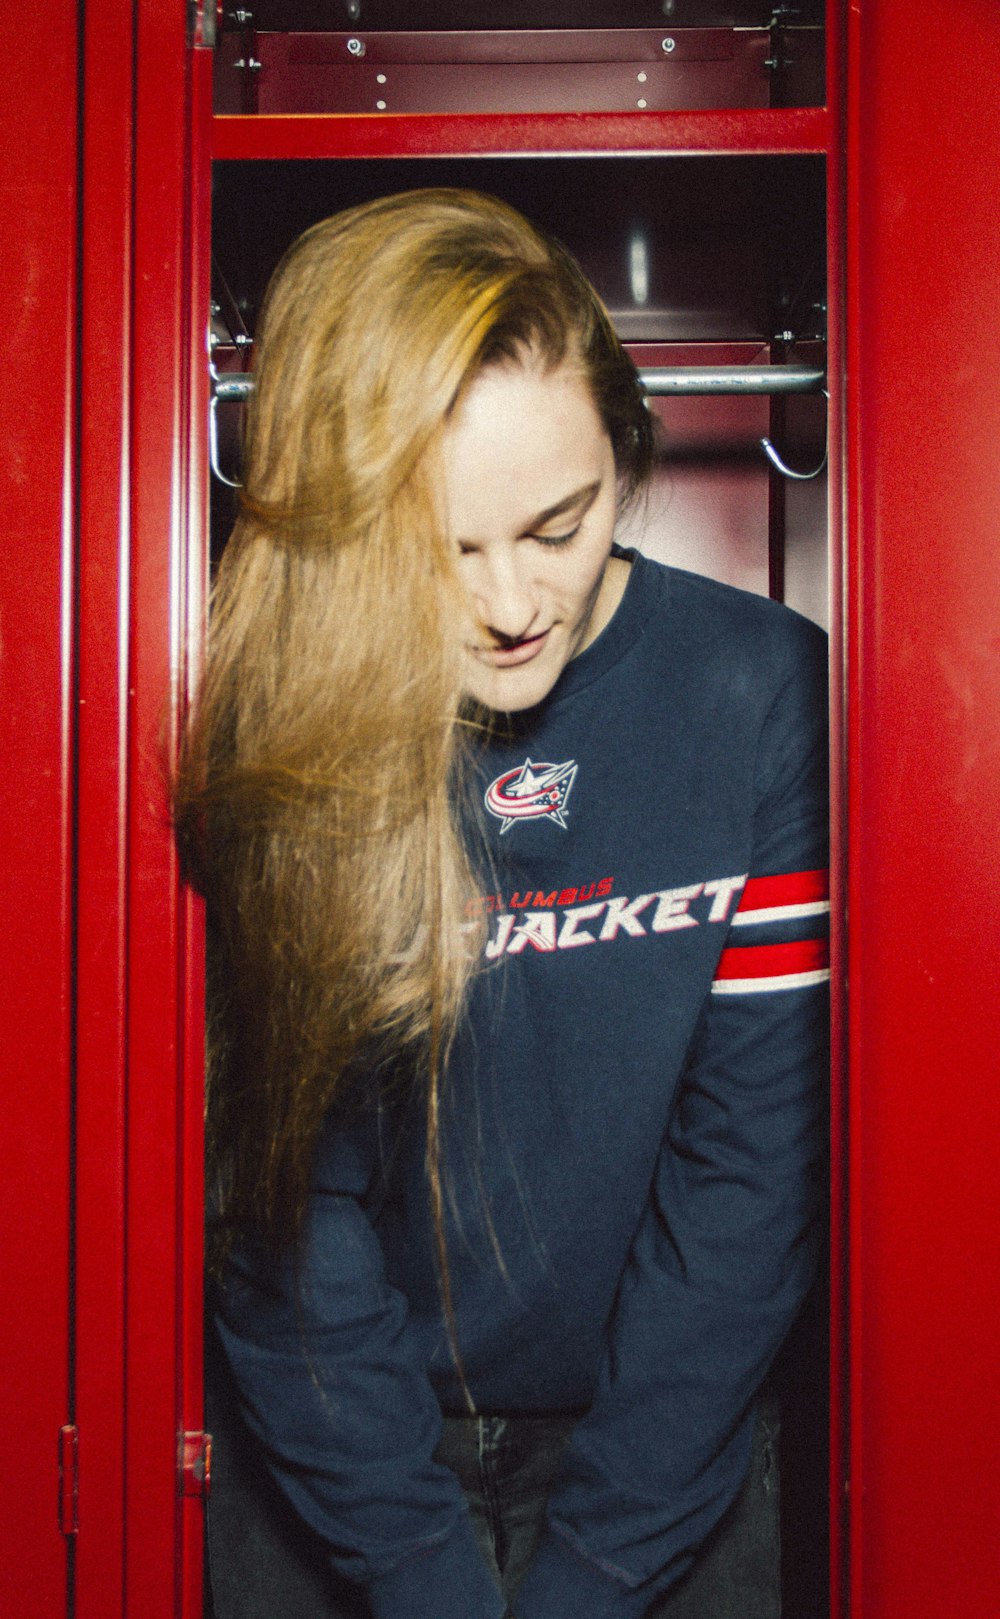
725, 1251
333, 1386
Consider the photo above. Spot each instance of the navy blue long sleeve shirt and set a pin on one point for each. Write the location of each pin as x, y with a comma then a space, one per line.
632, 1136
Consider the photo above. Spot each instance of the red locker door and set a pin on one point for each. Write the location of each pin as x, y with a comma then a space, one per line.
101, 566
923, 751
38, 272
144, 265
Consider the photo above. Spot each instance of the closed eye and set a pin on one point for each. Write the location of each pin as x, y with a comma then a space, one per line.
575, 505
556, 539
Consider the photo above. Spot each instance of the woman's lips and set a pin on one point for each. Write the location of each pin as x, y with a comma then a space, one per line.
507, 657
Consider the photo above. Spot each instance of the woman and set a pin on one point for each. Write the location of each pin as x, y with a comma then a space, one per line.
513, 843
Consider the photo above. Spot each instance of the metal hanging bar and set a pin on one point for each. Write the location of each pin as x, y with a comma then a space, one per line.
659, 380
231, 386
664, 380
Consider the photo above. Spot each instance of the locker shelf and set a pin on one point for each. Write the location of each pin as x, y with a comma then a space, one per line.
759, 131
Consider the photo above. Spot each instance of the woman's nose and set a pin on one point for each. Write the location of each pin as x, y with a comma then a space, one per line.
505, 595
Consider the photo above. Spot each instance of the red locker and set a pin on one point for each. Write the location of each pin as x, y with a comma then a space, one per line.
38, 276
864, 139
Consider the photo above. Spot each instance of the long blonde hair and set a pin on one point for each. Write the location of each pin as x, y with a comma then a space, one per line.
317, 797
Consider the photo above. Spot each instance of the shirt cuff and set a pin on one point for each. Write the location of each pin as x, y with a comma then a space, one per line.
563, 1583
445, 1580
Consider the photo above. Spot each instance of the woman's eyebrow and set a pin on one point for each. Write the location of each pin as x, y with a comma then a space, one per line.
585, 497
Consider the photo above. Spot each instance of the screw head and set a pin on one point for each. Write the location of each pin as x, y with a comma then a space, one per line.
669, 44
356, 47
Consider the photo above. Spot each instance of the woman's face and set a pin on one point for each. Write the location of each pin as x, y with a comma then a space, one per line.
530, 488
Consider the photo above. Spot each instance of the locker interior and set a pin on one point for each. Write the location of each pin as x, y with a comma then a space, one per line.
715, 260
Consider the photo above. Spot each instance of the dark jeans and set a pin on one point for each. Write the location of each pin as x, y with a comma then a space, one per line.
507, 1465
263, 1562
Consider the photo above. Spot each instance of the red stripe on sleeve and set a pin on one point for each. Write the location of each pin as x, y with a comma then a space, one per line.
793, 888
773, 960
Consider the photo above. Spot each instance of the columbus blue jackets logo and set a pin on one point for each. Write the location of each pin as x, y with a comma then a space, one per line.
531, 791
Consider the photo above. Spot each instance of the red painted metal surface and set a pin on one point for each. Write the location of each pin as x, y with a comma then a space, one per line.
531, 14
157, 488
838, 1382
38, 154
557, 47
69, 1479
764, 131
564, 70
163, 1203
924, 727
191, 983
138, 1179
102, 785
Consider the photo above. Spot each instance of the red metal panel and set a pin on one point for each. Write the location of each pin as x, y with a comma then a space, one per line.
139, 1105
155, 608
38, 153
839, 1391
138, 1179
192, 934
924, 601
565, 47
559, 70
102, 785
763, 131
164, 1156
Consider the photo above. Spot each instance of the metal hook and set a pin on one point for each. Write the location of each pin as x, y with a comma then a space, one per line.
218, 388
789, 472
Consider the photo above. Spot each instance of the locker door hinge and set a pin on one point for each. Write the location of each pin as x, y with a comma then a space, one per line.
203, 18
194, 1463
69, 1479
